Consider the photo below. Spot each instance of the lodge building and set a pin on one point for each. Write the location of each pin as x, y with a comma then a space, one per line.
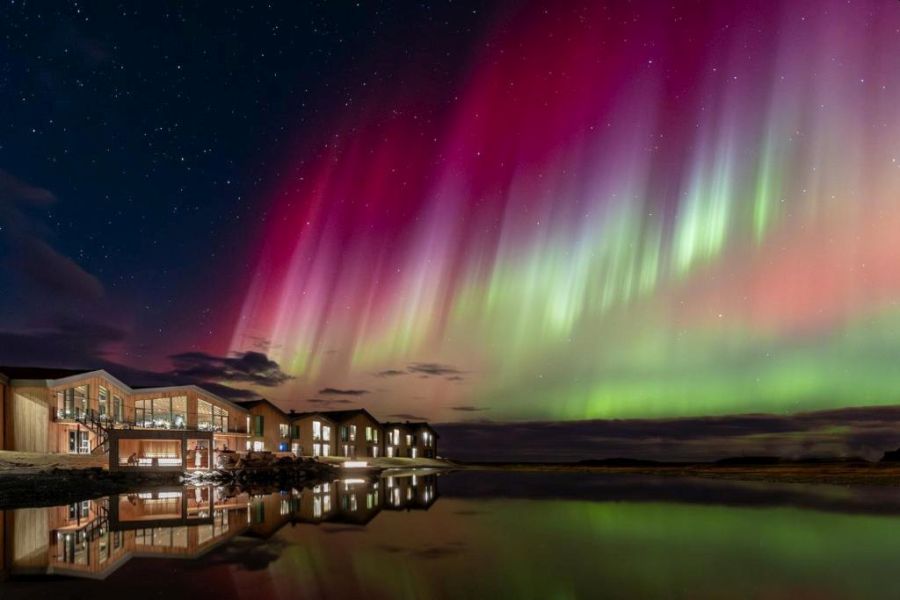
180, 427
410, 440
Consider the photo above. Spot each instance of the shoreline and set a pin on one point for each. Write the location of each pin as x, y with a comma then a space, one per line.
28, 479
825, 473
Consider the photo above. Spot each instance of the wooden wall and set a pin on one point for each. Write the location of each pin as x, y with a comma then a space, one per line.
306, 434
360, 448
29, 420
272, 418
401, 448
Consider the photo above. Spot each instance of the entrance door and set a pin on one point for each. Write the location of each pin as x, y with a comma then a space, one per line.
79, 442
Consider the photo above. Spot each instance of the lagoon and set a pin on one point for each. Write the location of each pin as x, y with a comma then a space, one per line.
462, 535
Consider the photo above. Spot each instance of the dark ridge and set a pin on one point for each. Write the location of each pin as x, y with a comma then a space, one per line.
619, 462
749, 460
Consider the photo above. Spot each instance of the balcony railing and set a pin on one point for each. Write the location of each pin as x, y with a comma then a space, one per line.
174, 421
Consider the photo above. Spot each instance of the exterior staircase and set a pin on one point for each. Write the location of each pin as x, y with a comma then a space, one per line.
96, 527
99, 427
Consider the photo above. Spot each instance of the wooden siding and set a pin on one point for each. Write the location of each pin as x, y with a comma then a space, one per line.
306, 440
28, 426
271, 435
360, 447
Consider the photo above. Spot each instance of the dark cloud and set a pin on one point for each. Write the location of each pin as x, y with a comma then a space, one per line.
407, 417
262, 344
468, 408
250, 367
865, 432
83, 344
338, 392
30, 257
433, 369
390, 373
229, 392
65, 343
330, 401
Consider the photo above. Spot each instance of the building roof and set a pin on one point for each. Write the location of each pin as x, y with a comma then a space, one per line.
59, 376
343, 415
411, 426
293, 416
248, 404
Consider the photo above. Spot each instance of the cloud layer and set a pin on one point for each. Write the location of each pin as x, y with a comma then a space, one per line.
250, 367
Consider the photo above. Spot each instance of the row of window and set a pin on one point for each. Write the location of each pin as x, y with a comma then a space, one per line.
321, 431
410, 439
73, 402
164, 413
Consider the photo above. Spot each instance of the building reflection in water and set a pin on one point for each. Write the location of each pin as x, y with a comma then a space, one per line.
95, 537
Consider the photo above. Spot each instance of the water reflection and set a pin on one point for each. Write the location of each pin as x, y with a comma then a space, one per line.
93, 538
496, 535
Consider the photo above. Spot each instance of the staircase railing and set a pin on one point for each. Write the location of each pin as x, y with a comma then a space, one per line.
90, 419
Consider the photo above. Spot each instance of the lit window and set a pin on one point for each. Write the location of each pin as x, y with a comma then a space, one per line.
103, 402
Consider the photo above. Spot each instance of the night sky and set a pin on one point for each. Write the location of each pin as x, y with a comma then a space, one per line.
468, 212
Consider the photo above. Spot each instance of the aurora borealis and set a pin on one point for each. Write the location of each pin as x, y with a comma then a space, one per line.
615, 211
461, 211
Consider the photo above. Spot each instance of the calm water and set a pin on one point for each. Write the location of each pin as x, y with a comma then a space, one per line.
463, 535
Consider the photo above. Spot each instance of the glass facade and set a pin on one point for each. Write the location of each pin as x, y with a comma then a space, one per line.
103, 402
210, 417
118, 409
162, 413
72, 403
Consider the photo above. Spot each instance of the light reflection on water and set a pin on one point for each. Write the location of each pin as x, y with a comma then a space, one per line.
484, 535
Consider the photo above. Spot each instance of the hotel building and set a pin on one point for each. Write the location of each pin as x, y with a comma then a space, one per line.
92, 412
180, 427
